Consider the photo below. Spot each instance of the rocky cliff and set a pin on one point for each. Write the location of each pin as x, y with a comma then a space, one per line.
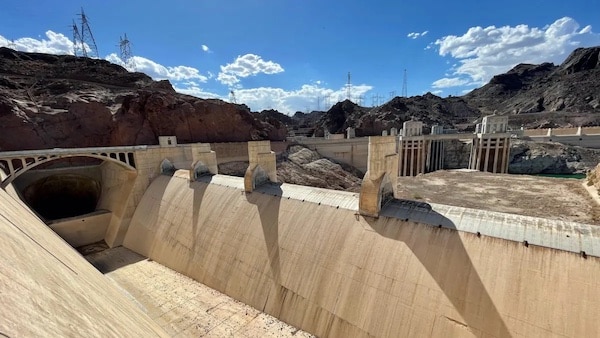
528, 157
49, 101
530, 92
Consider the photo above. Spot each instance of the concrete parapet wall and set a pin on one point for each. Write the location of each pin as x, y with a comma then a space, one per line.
562, 131
334, 273
350, 151
238, 151
587, 141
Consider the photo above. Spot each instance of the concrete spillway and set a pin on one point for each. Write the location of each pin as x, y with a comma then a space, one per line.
48, 290
305, 256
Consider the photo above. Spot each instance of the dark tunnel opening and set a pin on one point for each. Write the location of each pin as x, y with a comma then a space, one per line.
63, 195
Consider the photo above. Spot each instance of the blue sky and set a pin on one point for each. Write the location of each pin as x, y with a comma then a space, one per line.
296, 55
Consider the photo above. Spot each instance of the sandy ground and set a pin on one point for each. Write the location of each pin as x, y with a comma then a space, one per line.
556, 198
180, 305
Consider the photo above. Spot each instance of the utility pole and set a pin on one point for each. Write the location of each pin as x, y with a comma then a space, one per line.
83, 39
392, 94
404, 89
349, 88
125, 50
12, 44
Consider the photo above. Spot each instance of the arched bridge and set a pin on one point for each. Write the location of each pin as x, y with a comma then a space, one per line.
15, 163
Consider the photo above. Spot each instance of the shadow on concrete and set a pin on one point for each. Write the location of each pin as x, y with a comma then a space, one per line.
267, 199
456, 285
199, 191
113, 259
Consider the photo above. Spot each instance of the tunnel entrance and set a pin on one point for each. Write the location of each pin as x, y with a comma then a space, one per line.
63, 195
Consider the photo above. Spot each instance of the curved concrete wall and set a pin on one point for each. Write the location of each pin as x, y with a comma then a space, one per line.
48, 290
334, 273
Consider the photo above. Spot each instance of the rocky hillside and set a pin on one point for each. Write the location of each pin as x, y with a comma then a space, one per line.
302, 166
546, 95
49, 101
535, 96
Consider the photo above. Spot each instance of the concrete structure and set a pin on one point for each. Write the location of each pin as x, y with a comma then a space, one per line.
435, 151
333, 263
204, 161
490, 153
380, 179
167, 141
261, 166
588, 137
48, 290
492, 124
307, 257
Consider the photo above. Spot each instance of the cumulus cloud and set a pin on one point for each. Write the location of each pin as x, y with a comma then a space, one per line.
485, 52
206, 49
416, 35
449, 82
308, 97
158, 71
53, 43
244, 66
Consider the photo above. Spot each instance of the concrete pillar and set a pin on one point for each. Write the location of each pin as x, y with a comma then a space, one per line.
479, 150
496, 155
487, 153
400, 158
505, 154
579, 131
262, 167
204, 161
378, 184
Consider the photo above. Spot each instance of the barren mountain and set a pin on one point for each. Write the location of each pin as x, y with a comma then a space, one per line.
49, 101
535, 96
546, 95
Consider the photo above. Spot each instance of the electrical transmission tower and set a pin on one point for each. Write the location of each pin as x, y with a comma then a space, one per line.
84, 43
12, 44
349, 88
125, 51
404, 90
232, 97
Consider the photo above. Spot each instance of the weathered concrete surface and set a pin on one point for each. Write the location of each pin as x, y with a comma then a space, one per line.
332, 272
182, 306
48, 290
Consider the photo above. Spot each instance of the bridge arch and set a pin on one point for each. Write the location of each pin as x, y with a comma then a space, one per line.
17, 163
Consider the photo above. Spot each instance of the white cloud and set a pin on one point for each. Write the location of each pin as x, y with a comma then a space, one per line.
158, 71
206, 49
449, 82
416, 35
308, 97
485, 52
54, 43
244, 66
